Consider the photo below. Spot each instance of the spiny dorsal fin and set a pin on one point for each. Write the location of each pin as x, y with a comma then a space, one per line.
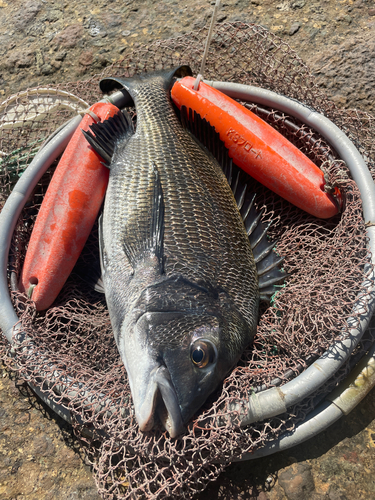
107, 133
91, 272
207, 136
266, 259
148, 239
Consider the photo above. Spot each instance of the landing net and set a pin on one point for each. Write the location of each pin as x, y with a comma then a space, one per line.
71, 345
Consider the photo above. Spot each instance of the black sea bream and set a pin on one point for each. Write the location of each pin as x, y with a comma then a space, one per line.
178, 269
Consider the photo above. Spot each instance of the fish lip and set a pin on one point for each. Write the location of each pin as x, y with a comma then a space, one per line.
150, 382
161, 387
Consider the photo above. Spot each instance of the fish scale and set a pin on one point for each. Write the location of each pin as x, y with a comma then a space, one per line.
204, 245
179, 274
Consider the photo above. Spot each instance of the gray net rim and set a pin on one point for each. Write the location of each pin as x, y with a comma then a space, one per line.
262, 404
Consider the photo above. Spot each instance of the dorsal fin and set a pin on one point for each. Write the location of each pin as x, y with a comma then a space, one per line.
108, 133
207, 136
266, 260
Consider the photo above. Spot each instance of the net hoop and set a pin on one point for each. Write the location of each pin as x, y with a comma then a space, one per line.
262, 404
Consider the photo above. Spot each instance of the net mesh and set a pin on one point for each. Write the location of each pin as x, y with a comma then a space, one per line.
69, 350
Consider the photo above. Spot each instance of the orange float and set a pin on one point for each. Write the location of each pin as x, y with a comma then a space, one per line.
259, 149
67, 214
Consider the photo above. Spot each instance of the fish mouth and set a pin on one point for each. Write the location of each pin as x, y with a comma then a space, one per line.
153, 392
160, 400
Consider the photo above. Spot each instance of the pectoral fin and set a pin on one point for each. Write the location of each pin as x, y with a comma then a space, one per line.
144, 236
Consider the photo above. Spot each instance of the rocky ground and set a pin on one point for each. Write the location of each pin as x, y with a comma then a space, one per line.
46, 41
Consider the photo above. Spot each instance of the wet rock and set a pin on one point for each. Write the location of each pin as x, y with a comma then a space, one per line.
344, 18
22, 418
294, 28
220, 18
60, 56
10, 46
69, 37
276, 493
27, 478
86, 58
53, 15
82, 492
336, 495
42, 446
346, 72
313, 33
56, 64
21, 59
298, 4
36, 29
5, 462
96, 28
99, 42
297, 481
3, 420
103, 61
47, 69
111, 21
17, 464
200, 23
26, 14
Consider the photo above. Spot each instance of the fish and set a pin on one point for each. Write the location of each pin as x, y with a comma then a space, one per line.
181, 277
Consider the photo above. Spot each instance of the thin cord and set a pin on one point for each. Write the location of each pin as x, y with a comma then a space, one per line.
208, 41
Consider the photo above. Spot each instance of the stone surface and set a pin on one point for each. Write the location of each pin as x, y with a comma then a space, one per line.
26, 14
297, 481
312, 28
294, 28
69, 37
348, 69
39, 457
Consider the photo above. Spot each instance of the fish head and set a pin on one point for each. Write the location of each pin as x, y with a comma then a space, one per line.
176, 359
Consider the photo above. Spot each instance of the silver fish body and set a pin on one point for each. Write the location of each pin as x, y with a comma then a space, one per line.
178, 270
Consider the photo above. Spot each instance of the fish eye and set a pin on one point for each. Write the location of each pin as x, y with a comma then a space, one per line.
202, 353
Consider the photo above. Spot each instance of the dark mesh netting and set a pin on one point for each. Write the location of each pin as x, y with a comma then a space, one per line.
69, 350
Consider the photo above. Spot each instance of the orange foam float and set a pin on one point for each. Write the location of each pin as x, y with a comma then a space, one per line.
67, 214
259, 149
